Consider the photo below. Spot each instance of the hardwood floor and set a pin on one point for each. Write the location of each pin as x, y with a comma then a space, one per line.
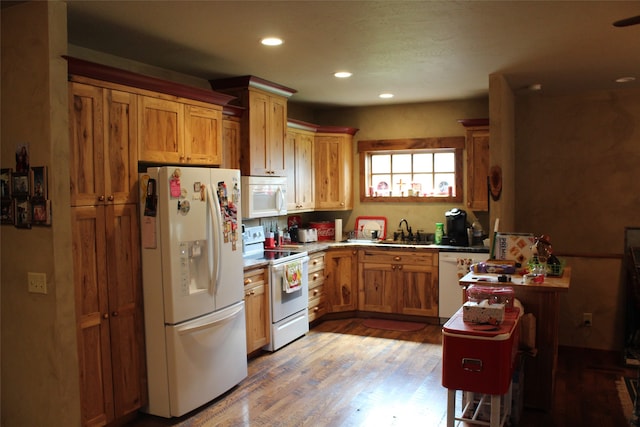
345, 374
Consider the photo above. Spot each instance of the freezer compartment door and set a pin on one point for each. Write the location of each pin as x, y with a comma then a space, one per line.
206, 358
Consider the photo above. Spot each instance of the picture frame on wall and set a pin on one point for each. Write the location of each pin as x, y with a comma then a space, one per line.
22, 213
5, 183
6, 211
38, 182
41, 212
20, 184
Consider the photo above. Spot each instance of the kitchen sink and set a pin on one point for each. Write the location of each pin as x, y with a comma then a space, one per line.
405, 242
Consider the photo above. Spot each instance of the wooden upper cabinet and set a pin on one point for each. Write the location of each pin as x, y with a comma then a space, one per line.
103, 145
203, 135
333, 166
263, 124
230, 143
179, 133
477, 146
299, 167
161, 135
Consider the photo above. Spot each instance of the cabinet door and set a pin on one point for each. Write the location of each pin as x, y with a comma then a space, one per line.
377, 288
277, 132
333, 163
258, 154
341, 280
418, 288
230, 143
160, 130
477, 168
203, 135
299, 169
257, 313
92, 314
120, 147
126, 324
86, 137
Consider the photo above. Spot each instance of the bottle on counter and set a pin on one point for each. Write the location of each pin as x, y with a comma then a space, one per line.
439, 233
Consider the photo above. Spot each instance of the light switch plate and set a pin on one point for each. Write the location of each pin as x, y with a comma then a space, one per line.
37, 283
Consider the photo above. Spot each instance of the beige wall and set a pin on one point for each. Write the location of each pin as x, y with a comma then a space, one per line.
577, 158
39, 362
403, 121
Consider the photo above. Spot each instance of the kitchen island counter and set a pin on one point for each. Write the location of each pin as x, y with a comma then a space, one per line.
543, 301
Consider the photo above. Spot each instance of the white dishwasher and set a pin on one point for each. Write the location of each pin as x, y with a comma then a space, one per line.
451, 268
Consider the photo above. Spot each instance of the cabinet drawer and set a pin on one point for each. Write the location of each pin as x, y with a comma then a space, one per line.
316, 279
318, 309
422, 257
316, 263
316, 292
255, 277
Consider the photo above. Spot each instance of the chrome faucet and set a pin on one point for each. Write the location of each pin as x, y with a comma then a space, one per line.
409, 232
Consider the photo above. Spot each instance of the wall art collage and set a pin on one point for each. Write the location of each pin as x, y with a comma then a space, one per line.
24, 193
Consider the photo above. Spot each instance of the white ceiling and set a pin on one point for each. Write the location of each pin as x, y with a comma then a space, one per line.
418, 50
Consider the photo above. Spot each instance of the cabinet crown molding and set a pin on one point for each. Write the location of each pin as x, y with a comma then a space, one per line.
81, 67
244, 82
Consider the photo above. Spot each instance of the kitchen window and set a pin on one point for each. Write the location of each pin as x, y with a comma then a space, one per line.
419, 170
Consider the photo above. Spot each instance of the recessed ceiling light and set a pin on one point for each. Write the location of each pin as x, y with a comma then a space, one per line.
625, 79
535, 87
342, 74
386, 95
271, 41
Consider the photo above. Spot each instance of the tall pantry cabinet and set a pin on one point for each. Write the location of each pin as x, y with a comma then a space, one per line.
105, 250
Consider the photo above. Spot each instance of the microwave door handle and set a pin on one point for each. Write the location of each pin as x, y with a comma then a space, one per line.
280, 199
214, 211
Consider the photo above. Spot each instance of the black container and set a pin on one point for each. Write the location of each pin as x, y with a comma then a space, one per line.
456, 227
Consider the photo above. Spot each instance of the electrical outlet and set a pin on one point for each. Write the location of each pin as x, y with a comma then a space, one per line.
37, 283
587, 319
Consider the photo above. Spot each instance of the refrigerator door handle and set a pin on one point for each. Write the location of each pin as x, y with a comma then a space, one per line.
191, 329
214, 210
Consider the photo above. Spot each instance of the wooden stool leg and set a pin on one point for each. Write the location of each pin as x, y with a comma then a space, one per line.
451, 407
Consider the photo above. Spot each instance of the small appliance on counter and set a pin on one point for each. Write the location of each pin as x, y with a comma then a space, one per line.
456, 228
307, 235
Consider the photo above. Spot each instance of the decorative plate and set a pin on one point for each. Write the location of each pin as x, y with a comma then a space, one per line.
366, 225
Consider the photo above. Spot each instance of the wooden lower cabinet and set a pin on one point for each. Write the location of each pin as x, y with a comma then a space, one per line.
341, 279
110, 326
398, 282
257, 310
317, 295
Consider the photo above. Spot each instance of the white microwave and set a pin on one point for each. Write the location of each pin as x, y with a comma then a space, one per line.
263, 196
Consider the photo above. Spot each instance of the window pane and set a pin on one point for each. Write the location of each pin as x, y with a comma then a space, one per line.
423, 162
422, 184
444, 181
401, 183
381, 163
401, 163
381, 186
444, 162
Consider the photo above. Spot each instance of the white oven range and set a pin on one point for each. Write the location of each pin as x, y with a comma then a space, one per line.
289, 304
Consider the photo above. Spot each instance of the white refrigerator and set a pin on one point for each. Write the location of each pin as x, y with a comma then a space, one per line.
192, 271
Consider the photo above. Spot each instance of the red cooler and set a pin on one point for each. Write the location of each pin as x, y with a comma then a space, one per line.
479, 358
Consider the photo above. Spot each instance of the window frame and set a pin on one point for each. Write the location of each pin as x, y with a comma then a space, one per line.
457, 143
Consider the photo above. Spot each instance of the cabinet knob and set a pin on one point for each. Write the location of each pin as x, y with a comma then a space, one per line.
315, 309
315, 276
247, 281
101, 198
105, 316
399, 267
315, 292
111, 198
114, 314
397, 258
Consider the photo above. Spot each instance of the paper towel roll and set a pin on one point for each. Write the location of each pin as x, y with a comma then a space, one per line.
338, 230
